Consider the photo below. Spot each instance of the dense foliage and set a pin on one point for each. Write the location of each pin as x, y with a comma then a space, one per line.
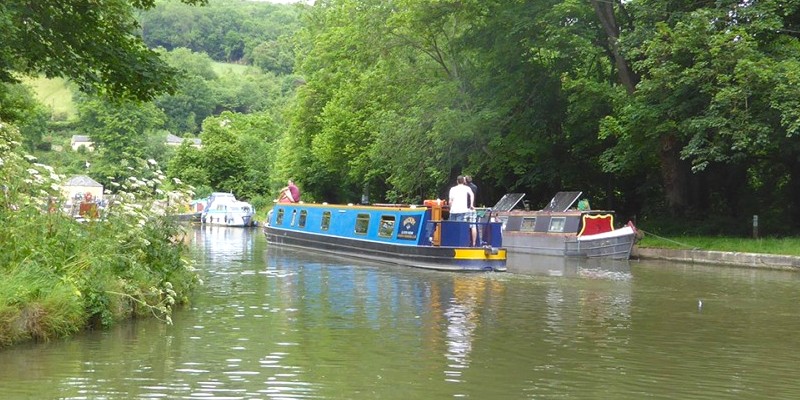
649, 107
60, 275
93, 43
256, 33
657, 109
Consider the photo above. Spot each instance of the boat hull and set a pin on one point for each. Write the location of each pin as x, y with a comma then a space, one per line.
617, 246
429, 257
227, 219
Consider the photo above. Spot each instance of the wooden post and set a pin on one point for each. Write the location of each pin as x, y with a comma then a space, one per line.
436, 218
755, 226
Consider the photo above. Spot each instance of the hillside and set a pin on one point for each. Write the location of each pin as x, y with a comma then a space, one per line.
57, 95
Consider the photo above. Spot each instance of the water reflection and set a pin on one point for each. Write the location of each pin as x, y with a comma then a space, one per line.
223, 244
275, 323
592, 268
445, 309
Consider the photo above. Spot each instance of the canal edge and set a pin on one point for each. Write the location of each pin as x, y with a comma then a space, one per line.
753, 260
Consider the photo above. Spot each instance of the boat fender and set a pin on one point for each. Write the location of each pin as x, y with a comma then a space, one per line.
490, 251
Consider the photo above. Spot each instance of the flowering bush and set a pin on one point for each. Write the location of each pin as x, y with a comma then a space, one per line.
62, 275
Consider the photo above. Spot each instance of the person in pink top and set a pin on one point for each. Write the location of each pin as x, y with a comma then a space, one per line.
289, 194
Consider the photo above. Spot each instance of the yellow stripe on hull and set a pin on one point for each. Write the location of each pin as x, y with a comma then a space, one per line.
479, 254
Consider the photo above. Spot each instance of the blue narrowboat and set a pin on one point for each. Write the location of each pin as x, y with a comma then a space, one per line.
410, 235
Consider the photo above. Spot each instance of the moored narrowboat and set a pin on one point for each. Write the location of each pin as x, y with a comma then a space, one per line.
562, 228
407, 235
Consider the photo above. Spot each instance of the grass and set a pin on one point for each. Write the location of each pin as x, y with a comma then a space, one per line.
53, 93
784, 246
223, 69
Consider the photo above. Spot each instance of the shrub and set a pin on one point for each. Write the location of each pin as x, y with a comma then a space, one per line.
61, 275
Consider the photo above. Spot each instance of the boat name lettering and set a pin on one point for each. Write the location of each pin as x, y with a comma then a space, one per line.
408, 230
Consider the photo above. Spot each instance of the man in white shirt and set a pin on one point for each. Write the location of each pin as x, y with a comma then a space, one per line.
461, 200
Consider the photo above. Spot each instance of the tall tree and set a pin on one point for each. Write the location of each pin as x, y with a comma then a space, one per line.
93, 43
714, 99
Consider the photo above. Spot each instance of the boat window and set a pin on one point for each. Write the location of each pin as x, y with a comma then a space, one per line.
326, 221
279, 218
557, 224
387, 226
362, 223
527, 224
294, 217
303, 215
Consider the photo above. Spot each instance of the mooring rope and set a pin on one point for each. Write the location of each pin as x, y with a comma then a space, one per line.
667, 239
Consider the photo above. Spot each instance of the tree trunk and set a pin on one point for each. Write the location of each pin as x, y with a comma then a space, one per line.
674, 173
605, 13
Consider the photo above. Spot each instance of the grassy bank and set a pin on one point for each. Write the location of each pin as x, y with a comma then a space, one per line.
784, 246
61, 276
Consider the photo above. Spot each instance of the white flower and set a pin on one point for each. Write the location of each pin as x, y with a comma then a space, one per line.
152, 162
33, 171
54, 187
30, 158
177, 181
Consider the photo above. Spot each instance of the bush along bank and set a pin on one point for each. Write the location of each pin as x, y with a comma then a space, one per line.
61, 276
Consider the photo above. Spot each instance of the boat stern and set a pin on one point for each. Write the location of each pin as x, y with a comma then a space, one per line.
485, 258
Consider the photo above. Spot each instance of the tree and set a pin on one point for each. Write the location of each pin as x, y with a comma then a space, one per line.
187, 165
119, 132
95, 45
194, 99
274, 56
715, 103
236, 155
19, 106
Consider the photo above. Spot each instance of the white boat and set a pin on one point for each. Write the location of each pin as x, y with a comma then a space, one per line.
223, 209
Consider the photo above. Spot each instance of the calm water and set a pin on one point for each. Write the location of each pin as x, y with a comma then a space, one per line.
279, 324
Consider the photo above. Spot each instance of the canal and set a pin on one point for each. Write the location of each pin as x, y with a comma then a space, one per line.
271, 323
